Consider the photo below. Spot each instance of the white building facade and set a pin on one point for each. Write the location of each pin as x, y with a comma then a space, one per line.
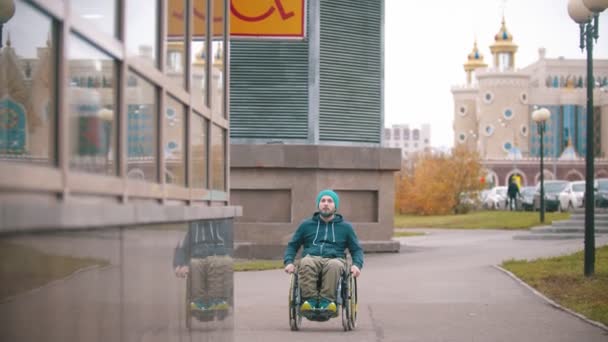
410, 140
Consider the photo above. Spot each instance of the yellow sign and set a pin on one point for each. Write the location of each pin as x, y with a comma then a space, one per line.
248, 18
267, 18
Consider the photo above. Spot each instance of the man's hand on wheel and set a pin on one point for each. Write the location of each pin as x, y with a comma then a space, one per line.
290, 268
181, 271
355, 271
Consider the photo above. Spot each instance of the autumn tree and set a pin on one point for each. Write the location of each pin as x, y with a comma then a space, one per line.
437, 183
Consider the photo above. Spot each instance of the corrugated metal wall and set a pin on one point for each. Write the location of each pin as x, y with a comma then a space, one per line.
351, 71
269, 80
269, 90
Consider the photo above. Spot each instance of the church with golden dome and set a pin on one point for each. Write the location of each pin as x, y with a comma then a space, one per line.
493, 113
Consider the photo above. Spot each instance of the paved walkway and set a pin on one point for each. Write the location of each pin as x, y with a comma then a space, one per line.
441, 287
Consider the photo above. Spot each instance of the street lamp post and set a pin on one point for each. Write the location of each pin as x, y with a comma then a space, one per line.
586, 14
7, 10
540, 116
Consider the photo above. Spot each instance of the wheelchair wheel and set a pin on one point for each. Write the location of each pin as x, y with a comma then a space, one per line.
188, 300
352, 318
295, 319
349, 307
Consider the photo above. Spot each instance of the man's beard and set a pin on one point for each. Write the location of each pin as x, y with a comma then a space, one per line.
327, 213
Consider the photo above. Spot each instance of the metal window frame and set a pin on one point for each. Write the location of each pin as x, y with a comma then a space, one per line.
57, 179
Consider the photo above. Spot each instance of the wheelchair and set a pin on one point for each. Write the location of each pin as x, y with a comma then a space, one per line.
346, 302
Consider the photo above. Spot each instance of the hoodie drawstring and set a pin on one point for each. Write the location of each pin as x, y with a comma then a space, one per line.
333, 231
317, 234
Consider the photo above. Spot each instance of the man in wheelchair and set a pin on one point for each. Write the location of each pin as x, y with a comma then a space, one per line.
324, 237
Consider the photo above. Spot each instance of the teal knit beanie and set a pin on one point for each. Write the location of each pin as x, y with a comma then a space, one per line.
330, 193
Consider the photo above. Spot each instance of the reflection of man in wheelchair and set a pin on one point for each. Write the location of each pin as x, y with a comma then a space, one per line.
203, 257
321, 284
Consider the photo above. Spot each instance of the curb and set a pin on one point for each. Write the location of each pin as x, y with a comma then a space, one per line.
550, 301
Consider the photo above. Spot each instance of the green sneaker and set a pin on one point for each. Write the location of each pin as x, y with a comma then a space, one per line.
197, 306
308, 305
328, 305
219, 305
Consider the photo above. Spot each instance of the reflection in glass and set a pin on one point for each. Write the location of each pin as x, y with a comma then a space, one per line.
92, 102
218, 161
142, 30
101, 14
114, 284
204, 258
199, 151
67, 283
141, 129
217, 67
174, 138
176, 23
27, 81
217, 80
199, 52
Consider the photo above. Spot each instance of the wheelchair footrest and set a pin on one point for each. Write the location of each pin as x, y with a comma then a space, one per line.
319, 315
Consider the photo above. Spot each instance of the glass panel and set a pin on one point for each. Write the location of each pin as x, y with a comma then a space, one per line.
176, 58
119, 284
142, 30
198, 143
174, 137
199, 52
92, 102
218, 48
141, 129
218, 153
101, 14
27, 80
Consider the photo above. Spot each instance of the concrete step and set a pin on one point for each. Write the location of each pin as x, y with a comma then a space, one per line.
567, 236
566, 229
596, 222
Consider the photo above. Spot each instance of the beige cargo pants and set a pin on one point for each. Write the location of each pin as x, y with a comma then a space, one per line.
212, 277
328, 269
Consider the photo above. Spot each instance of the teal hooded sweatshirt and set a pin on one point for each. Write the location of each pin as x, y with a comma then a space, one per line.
325, 239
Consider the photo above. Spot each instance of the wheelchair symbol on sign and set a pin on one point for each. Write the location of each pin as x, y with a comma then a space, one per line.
277, 5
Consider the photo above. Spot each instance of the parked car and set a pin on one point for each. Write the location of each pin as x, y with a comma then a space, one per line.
495, 198
601, 195
572, 196
552, 190
526, 201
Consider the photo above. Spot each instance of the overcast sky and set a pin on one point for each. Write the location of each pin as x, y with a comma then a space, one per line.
427, 43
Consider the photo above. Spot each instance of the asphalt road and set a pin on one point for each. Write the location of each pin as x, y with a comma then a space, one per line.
441, 287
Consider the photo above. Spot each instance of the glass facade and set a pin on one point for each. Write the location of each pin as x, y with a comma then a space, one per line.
92, 103
27, 88
567, 126
121, 118
142, 107
174, 138
99, 14
200, 133
142, 30
218, 153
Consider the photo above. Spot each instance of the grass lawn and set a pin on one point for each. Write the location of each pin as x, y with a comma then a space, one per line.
24, 268
479, 220
407, 234
241, 265
562, 280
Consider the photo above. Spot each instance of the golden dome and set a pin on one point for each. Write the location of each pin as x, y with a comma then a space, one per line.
503, 34
474, 59
503, 40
